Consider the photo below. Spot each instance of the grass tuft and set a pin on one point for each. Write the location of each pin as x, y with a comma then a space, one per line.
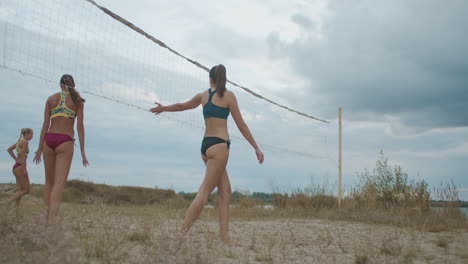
361, 259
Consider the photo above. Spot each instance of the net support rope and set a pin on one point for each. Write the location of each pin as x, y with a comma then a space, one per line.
162, 44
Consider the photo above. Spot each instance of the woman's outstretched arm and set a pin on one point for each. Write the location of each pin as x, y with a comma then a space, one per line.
190, 104
243, 128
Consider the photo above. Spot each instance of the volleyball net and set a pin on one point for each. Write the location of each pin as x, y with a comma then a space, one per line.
113, 59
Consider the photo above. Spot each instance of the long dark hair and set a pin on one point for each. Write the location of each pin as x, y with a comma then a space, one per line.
218, 74
69, 82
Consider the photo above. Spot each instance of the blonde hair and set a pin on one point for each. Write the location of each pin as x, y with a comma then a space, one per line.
23, 133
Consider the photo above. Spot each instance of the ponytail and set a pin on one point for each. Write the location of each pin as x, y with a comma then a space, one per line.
218, 74
76, 98
23, 133
67, 80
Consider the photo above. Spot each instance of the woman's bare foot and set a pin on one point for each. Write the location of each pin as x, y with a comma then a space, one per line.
227, 241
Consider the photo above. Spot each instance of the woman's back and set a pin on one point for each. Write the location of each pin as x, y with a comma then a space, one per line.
218, 110
61, 123
22, 150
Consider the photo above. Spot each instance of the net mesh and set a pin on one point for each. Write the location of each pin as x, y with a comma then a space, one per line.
112, 60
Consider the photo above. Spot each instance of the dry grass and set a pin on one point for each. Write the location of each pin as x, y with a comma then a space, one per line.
77, 191
100, 233
391, 247
105, 224
441, 243
300, 204
361, 260
85, 192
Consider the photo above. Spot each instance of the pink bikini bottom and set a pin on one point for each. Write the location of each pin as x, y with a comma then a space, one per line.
16, 165
53, 140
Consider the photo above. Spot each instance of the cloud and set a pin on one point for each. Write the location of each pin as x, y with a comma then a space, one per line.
302, 21
405, 59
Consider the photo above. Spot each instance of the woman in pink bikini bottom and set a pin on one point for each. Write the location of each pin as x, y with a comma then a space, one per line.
20, 169
57, 133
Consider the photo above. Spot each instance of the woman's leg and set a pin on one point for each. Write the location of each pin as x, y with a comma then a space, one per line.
22, 183
224, 188
217, 157
49, 165
63, 159
25, 186
18, 188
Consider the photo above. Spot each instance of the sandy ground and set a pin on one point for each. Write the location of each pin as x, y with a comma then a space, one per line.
110, 234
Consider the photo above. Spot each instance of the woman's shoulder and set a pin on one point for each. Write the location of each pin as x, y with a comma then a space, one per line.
201, 94
22, 142
230, 95
53, 100
53, 96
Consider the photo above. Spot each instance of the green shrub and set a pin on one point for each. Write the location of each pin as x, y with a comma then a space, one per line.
389, 186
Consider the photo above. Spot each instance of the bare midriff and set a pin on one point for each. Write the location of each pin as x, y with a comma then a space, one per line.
62, 125
216, 127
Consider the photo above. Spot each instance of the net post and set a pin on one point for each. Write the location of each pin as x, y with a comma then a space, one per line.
5, 43
340, 190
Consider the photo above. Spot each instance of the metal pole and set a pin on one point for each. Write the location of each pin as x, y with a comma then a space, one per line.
5, 44
340, 190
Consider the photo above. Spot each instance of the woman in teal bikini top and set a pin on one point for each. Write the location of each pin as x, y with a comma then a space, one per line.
217, 103
211, 110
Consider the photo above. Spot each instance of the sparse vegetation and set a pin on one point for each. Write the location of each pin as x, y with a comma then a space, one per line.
390, 248
389, 186
106, 224
442, 243
100, 233
262, 258
139, 237
361, 260
85, 192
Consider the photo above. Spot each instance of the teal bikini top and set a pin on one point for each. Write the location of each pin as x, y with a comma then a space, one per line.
212, 110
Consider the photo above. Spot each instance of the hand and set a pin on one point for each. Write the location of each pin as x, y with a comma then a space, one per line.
260, 156
37, 157
158, 109
85, 160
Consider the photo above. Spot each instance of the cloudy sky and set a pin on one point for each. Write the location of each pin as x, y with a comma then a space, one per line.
399, 69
